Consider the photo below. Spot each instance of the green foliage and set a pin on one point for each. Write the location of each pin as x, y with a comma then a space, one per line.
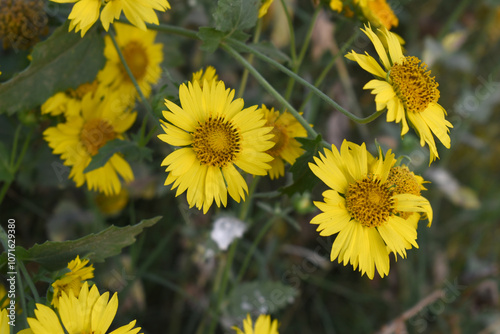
6, 173
64, 60
54, 255
303, 178
211, 38
260, 297
232, 15
130, 149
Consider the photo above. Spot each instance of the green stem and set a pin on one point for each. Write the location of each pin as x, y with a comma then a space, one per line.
250, 252
32, 287
323, 96
293, 51
244, 77
305, 46
453, 18
328, 67
175, 30
22, 296
131, 76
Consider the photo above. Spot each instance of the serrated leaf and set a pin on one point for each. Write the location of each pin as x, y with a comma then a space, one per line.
210, 37
259, 297
303, 178
130, 149
232, 15
64, 60
55, 255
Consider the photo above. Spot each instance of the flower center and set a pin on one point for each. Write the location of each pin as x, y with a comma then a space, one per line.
369, 202
403, 181
216, 142
83, 89
95, 134
413, 84
384, 13
137, 59
280, 140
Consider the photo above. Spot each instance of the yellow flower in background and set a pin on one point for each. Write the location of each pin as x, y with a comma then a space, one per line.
215, 135
72, 280
113, 204
263, 325
86, 12
4, 322
90, 312
406, 89
363, 208
81, 136
70, 101
286, 148
378, 12
264, 7
137, 12
142, 56
209, 75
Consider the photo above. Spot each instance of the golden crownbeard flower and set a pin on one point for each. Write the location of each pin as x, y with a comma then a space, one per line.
215, 135
90, 312
263, 325
377, 12
209, 75
264, 7
363, 208
81, 136
336, 5
142, 56
86, 12
406, 89
73, 279
286, 148
69, 102
4, 322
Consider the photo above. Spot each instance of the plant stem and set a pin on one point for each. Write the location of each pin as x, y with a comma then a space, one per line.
244, 77
323, 96
131, 76
33, 289
293, 51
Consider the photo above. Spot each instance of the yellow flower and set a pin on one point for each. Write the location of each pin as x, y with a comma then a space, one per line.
70, 101
264, 7
72, 280
378, 12
4, 322
363, 208
285, 129
263, 325
406, 89
336, 5
112, 205
142, 56
90, 312
209, 74
81, 136
216, 135
86, 12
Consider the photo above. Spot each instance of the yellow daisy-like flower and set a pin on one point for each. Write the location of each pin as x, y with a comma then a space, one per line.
263, 325
86, 12
70, 101
209, 75
216, 135
379, 13
90, 312
363, 208
286, 148
81, 137
264, 7
72, 280
142, 56
406, 89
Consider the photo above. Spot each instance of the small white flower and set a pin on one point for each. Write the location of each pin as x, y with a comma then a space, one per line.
225, 230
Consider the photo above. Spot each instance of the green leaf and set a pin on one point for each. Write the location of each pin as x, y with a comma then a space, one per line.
259, 297
232, 15
210, 37
55, 255
303, 178
130, 149
64, 60
6, 173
